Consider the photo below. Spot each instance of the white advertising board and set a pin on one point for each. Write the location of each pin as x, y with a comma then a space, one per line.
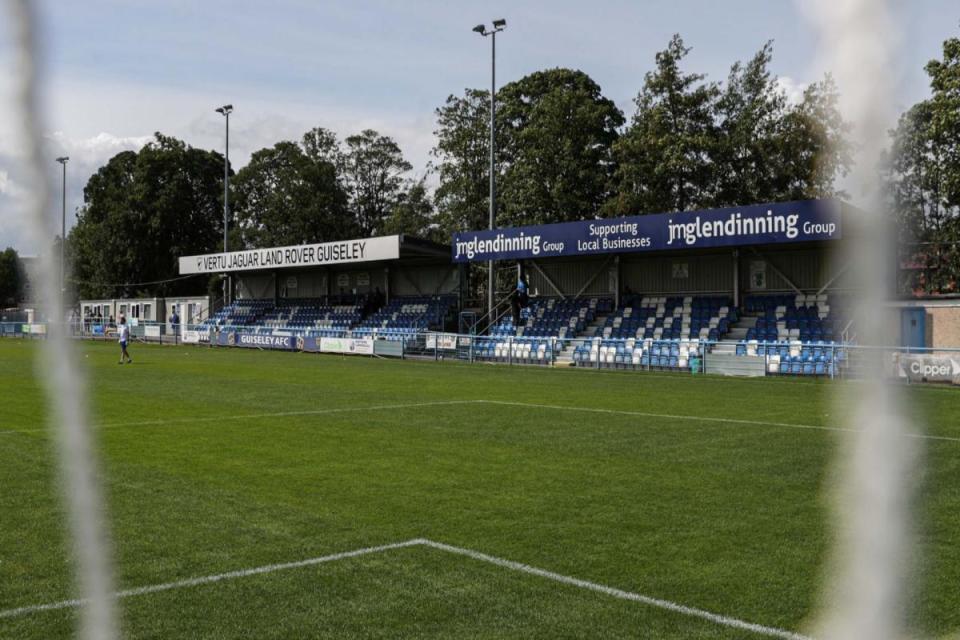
929, 368
152, 331
361, 346
191, 336
307, 255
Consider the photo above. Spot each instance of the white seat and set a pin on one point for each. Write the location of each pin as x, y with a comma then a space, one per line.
773, 363
795, 348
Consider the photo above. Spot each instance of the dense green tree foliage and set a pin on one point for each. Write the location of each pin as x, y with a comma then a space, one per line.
292, 194
558, 131
11, 277
141, 212
412, 214
924, 179
694, 144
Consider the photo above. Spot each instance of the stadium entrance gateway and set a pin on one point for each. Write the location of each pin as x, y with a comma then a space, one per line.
778, 247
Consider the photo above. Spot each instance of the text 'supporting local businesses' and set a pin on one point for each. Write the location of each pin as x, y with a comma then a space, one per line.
803, 221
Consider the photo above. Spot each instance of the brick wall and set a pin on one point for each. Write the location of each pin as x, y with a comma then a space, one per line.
943, 326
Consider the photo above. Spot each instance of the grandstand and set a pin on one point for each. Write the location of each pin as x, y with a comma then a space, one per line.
802, 334
404, 316
719, 301
713, 298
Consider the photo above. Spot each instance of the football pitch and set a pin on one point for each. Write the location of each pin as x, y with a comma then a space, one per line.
284, 495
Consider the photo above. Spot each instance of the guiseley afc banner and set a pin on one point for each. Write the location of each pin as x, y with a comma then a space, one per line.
801, 221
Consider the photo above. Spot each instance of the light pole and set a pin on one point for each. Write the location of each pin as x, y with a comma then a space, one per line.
63, 231
225, 111
498, 25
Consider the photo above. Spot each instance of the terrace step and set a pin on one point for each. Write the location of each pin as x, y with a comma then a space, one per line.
725, 347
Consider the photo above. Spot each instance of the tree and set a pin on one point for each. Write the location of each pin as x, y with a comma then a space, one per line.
814, 150
413, 214
923, 177
695, 144
372, 169
292, 194
750, 111
558, 131
11, 277
141, 212
554, 131
665, 157
462, 152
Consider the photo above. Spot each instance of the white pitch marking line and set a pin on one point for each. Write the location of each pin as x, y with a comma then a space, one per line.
725, 621
668, 416
715, 618
251, 416
219, 577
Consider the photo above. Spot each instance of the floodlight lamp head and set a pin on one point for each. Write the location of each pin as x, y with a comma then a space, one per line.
499, 24
481, 29
63, 159
225, 109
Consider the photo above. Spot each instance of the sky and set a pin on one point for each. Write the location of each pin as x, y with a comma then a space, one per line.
119, 70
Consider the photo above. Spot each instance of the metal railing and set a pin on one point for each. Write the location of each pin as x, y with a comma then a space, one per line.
692, 357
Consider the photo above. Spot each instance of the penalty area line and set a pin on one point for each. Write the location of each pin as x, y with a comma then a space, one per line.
620, 594
219, 577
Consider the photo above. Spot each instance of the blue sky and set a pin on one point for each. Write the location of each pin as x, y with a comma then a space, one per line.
120, 70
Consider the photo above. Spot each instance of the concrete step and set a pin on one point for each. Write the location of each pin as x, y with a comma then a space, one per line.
725, 347
737, 333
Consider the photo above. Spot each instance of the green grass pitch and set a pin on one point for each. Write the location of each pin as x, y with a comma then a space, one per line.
217, 460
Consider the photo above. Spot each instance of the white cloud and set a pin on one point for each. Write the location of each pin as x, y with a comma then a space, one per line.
93, 121
7, 186
793, 89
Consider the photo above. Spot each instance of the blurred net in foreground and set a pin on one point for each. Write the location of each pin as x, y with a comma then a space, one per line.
62, 377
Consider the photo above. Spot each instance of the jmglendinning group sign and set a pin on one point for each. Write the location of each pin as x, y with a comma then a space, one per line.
802, 221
